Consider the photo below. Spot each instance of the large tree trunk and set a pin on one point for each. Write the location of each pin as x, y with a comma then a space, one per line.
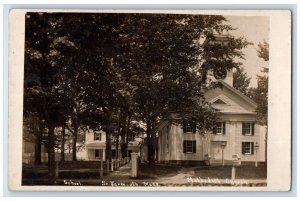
151, 143
108, 146
51, 153
74, 147
38, 150
117, 147
151, 151
62, 151
124, 136
123, 146
118, 135
38, 145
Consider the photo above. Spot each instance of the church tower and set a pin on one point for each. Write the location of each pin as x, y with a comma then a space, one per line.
220, 73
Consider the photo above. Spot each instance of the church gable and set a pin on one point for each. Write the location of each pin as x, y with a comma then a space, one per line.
226, 99
219, 101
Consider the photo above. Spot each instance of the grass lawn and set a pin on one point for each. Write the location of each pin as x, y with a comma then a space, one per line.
165, 173
242, 172
38, 174
158, 170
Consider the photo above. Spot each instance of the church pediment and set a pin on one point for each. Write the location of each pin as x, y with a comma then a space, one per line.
219, 102
226, 99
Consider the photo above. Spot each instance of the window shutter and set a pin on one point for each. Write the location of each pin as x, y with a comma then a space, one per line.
252, 130
252, 148
184, 126
215, 129
94, 136
224, 128
194, 126
184, 146
194, 146
243, 150
243, 129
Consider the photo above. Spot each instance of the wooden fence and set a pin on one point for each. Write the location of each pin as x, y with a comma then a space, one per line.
87, 169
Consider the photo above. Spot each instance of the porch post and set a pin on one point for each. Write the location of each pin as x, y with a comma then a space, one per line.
103, 153
112, 165
87, 154
101, 169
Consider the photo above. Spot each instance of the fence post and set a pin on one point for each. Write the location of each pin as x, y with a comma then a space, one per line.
107, 166
56, 170
112, 165
101, 169
134, 165
233, 173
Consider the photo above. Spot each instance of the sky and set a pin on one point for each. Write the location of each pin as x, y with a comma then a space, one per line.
255, 29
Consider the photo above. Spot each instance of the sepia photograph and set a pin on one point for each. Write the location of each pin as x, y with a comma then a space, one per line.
142, 99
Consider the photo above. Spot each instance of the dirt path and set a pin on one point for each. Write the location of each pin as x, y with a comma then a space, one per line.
180, 178
121, 174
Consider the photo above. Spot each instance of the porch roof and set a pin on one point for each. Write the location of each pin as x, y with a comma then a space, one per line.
96, 145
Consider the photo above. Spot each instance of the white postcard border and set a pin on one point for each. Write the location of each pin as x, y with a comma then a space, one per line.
279, 142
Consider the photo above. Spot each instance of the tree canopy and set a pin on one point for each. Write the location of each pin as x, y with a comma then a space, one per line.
260, 94
241, 81
98, 69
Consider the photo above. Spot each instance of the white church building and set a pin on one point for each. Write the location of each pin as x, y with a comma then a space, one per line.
236, 133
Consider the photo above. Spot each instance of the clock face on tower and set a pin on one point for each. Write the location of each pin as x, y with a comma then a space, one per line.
220, 73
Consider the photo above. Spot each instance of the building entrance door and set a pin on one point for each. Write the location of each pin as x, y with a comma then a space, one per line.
216, 150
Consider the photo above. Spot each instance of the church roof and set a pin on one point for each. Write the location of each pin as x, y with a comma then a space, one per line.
227, 99
246, 98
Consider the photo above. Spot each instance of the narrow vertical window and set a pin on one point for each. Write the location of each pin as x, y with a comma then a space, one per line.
189, 146
247, 148
248, 128
220, 128
189, 126
97, 136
